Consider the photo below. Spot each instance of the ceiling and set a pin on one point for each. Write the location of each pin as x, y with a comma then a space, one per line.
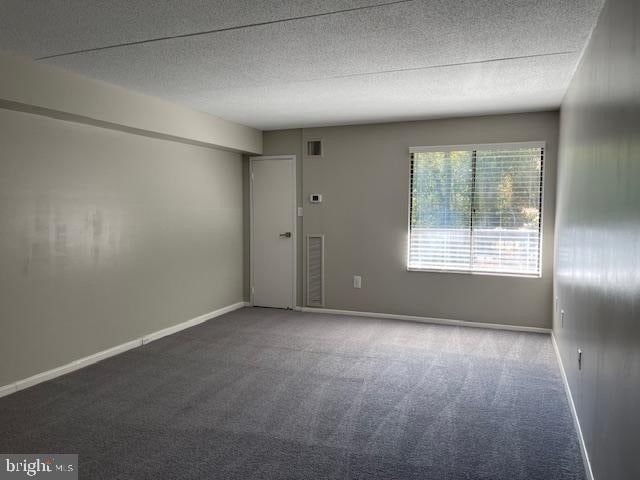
295, 63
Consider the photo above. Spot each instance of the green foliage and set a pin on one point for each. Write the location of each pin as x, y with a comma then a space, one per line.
441, 194
507, 189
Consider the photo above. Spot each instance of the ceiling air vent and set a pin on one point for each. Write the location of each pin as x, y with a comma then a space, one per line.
314, 148
315, 270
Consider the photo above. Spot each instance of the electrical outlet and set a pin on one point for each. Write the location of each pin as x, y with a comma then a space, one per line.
562, 318
357, 281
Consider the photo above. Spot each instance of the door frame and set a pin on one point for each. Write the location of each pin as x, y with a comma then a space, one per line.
294, 232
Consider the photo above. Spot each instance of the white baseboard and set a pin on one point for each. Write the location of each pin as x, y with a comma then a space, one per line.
439, 321
192, 323
110, 352
7, 390
75, 365
574, 412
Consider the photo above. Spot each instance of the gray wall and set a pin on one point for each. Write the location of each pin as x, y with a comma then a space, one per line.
106, 236
364, 177
597, 275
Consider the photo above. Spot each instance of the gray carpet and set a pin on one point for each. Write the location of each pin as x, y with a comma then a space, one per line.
262, 393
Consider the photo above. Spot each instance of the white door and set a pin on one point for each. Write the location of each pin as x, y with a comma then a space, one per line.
273, 221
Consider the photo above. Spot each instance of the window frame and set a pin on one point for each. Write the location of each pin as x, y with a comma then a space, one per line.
474, 147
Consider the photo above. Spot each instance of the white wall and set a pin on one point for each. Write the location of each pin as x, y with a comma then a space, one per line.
106, 236
30, 86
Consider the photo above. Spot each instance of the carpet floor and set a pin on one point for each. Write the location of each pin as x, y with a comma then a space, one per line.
271, 394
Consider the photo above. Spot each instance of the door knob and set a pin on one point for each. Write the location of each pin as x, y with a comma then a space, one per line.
285, 235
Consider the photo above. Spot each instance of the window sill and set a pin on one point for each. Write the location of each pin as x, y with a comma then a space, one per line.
532, 276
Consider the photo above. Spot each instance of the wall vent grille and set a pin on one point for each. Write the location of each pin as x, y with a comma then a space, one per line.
314, 148
315, 270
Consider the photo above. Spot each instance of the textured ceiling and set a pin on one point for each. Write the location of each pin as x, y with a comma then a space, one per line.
292, 63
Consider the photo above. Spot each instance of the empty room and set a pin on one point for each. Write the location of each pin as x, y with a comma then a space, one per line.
302, 239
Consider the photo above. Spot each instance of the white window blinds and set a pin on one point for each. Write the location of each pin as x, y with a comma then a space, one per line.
476, 208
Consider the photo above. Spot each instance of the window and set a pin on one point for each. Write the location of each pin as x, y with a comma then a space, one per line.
476, 208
